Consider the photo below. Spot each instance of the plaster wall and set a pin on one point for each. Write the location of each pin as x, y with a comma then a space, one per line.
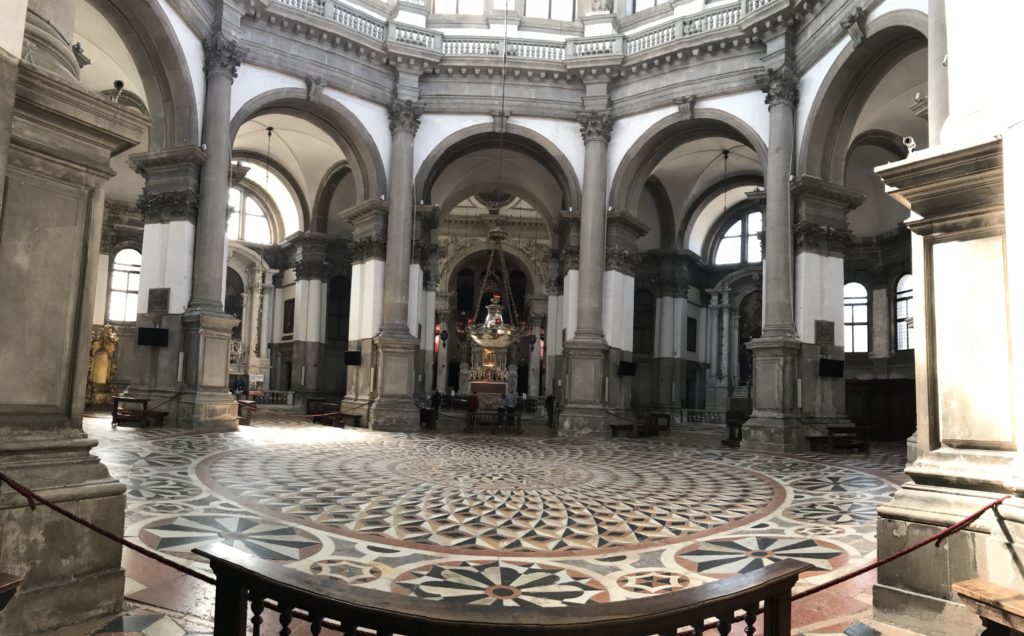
373, 117
819, 294
811, 84
167, 262
12, 27
372, 301
355, 313
624, 134
564, 135
253, 81
99, 305
618, 310
748, 107
192, 48
570, 300
436, 128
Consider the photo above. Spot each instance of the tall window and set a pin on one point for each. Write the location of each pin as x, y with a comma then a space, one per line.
643, 321
124, 286
551, 9
740, 244
855, 318
464, 7
639, 5
247, 220
904, 321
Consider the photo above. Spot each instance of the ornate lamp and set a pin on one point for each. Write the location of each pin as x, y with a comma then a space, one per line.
493, 332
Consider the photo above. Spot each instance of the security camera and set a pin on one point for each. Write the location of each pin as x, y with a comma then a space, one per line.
119, 87
909, 143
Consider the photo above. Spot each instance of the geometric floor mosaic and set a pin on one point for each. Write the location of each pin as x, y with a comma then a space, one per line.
496, 520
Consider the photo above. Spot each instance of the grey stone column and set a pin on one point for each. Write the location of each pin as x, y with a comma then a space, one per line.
586, 373
396, 372
938, 77
774, 424
221, 66
405, 120
49, 30
59, 159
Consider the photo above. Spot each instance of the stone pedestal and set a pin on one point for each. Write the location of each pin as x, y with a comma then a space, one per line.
394, 410
584, 414
58, 161
968, 427
206, 402
774, 424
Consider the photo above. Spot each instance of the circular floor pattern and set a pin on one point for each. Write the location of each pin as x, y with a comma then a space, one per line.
728, 556
458, 493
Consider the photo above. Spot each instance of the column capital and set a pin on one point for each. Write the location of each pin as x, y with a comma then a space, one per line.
368, 248
595, 125
779, 86
404, 116
570, 257
820, 239
221, 55
307, 269
620, 259
164, 207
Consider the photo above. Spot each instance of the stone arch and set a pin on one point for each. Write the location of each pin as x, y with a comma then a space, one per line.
286, 176
666, 134
516, 137
246, 257
336, 121
456, 197
848, 85
663, 208
324, 194
156, 52
535, 277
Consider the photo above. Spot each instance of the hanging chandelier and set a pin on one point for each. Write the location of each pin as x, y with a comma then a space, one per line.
494, 332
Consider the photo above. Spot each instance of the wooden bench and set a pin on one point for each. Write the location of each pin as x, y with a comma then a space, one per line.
842, 438
627, 428
244, 581
1001, 608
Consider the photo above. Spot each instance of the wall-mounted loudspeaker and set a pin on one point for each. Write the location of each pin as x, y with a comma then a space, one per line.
627, 368
152, 337
354, 358
830, 368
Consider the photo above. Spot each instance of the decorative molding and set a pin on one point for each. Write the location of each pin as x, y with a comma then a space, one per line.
404, 116
620, 259
164, 207
670, 287
159, 300
313, 270
780, 86
277, 280
685, 106
368, 248
314, 87
820, 239
855, 25
824, 332
569, 258
221, 55
554, 286
811, 187
595, 125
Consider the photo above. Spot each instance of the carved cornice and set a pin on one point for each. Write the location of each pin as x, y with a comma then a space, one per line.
404, 116
811, 187
670, 286
221, 55
780, 86
595, 125
554, 286
855, 25
820, 239
620, 259
369, 247
164, 207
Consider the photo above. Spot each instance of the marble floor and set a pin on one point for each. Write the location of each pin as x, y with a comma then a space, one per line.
446, 515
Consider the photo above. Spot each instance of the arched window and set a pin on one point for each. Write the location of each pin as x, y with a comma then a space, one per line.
643, 322
247, 220
740, 244
904, 320
855, 318
124, 286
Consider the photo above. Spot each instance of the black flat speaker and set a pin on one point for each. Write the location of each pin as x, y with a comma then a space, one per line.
830, 368
627, 368
152, 337
354, 358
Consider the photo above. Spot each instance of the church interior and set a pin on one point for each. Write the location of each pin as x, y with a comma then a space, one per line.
592, 312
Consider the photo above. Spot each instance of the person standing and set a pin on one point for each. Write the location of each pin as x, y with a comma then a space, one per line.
472, 404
